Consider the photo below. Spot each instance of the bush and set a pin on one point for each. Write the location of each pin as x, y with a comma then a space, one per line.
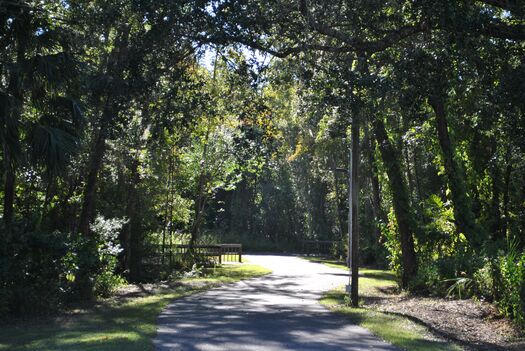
106, 281
427, 279
511, 294
484, 280
392, 244
33, 278
40, 271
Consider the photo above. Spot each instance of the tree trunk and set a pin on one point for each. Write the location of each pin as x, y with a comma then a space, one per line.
84, 279
9, 187
404, 147
95, 165
379, 216
419, 195
135, 236
463, 215
11, 127
401, 203
411, 185
200, 203
116, 65
338, 203
522, 210
168, 205
495, 229
131, 214
47, 200
508, 172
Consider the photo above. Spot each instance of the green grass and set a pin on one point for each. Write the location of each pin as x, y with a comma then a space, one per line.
369, 279
395, 329
326, 261
129, 325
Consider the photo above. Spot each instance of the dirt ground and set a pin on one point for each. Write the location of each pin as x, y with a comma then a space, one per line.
472, 324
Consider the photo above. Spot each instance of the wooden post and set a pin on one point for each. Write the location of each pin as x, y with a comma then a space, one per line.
240, 253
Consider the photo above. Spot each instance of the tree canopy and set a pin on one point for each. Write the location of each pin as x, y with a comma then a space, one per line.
130, 126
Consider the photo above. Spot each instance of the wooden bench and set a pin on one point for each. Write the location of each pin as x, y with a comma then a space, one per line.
222, 252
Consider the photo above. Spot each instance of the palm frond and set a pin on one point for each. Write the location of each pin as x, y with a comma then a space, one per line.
46, 72
51, 147
70, 112
9, 126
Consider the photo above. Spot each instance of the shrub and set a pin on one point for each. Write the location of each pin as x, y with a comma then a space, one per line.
106, 234
427, 279
511, 294
484, 280
392, 244
107, 282
461, 287
40, 271
32, 272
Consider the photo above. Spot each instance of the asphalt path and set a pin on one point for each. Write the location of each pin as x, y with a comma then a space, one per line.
279, 311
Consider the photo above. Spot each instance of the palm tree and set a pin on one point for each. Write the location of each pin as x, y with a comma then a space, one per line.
37, 71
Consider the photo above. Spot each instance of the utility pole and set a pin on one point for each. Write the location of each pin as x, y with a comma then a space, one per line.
352, 260
354, 295
353, 228
350, 241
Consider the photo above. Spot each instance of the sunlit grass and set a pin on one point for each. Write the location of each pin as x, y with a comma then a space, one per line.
369, 279
127, 326
395, 329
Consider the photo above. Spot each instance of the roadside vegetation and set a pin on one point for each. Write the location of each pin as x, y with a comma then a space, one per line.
415, 321
127, 321
395, 329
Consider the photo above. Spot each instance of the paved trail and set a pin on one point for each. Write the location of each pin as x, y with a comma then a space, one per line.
279, 311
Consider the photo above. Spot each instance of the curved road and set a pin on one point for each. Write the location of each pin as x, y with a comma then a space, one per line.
279, 311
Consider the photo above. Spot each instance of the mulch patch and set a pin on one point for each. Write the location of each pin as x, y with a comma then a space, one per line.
472, 324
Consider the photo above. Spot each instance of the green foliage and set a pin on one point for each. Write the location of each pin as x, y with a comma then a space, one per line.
107, 281
34, 273
511, 289
42, 270
389, 231
106, 231
442, 224
428, 278
461, 287
116, 109
486, 280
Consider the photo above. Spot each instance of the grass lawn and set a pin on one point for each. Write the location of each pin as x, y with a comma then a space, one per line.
395, 329
125, 326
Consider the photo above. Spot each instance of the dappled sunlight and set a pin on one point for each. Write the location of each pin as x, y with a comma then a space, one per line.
396, 329
127, 324
280, 311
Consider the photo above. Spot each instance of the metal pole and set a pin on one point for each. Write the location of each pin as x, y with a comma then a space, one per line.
349, 254
354, 293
